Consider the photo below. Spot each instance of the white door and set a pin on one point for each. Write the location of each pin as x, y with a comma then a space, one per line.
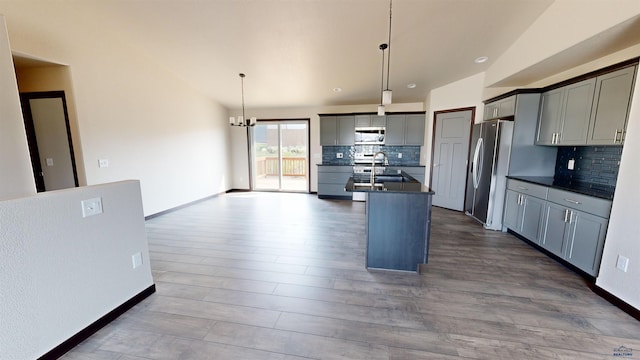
450, 150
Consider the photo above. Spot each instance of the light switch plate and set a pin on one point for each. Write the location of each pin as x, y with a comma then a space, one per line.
49, 161
103, 163
622, 263
571, 165
136, 260
91, 207
399, 155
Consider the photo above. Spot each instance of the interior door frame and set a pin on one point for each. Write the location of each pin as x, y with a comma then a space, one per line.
251, 150
433, 143
31, 134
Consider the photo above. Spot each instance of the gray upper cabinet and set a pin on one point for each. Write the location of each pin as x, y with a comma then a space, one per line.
374, 120
549, 123
405, 129
328, 130
337, 130
565, 114
611, 105
500, 108
576, 112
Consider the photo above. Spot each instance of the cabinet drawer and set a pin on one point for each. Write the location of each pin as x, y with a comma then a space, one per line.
588, 204
334, 178
334, 169
524, 187
332, 190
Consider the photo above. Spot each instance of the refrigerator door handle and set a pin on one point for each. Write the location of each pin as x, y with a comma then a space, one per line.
477, 168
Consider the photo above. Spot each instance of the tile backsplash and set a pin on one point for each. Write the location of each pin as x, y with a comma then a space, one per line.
597, 165
410, 154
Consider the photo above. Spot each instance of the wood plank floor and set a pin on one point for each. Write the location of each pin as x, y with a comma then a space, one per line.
281, 276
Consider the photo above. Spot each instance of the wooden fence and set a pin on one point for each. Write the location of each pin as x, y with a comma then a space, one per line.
291, 166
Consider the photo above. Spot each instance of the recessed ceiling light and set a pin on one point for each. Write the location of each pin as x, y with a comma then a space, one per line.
337, 89
411, 86
481, 59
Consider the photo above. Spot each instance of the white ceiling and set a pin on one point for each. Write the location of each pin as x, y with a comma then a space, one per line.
294, 52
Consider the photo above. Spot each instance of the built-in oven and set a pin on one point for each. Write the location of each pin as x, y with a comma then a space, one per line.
373, 135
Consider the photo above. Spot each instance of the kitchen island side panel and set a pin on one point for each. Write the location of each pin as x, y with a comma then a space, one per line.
397, 230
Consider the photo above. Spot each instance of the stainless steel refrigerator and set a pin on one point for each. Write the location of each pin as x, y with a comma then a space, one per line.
488, 168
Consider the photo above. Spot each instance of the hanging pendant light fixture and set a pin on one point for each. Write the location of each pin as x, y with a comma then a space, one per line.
386, 94
381, 111
242, 120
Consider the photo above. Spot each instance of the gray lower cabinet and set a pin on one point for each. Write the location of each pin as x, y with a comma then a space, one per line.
332, 180
405, 129
523, 214
416, 172
574, 228
337, 130
569, 225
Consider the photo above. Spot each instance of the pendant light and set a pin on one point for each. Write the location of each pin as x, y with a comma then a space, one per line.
381, 112
386, 94
242, 120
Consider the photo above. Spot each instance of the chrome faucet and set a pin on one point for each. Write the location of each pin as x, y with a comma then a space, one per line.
373, 164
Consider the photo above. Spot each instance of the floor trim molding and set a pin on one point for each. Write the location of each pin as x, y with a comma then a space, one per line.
83, 334
164, 212
621, 304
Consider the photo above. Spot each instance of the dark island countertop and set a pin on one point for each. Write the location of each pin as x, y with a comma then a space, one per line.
591, 189
388, 181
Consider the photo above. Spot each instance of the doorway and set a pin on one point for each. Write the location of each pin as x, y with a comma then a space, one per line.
451, 133
46, 123
280, 155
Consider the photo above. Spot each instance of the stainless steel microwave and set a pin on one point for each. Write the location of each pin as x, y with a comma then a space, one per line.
370, 135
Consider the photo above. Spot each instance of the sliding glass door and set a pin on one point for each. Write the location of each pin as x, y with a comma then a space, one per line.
280, 155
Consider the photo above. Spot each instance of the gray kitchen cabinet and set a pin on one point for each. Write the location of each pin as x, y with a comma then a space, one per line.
405, 129
500, 108
523, 214
611, 104
332, 180
337, 130
416, 172
565, 114
370, 120
574, 228
549, 123
524, 208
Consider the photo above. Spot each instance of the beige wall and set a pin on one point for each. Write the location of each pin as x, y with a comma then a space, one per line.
149, 124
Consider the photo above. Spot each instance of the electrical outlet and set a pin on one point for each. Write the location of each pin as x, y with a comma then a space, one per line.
571, 165
399, 155
136, 260
622, 263
49, 162
339, 155
91, 207
103, 163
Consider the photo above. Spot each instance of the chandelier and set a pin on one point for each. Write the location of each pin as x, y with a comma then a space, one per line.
242, 120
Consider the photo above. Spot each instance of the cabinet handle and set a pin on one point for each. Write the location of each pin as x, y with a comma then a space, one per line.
522, 188
573, 201
566, 215
623, 133
617, 136
519, 199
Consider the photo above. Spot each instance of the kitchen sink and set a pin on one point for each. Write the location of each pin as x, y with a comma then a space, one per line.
391, 178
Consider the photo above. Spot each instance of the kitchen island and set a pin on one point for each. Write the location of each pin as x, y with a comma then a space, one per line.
398, 210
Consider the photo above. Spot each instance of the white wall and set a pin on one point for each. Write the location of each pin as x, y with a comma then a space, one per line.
239, 148
622, 236
460, 94
149, 124
61, 272
16, 176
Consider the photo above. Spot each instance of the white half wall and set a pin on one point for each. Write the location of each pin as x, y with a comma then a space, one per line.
61, 272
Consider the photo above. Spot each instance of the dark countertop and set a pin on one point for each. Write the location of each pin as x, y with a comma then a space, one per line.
591, 189
409, 185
